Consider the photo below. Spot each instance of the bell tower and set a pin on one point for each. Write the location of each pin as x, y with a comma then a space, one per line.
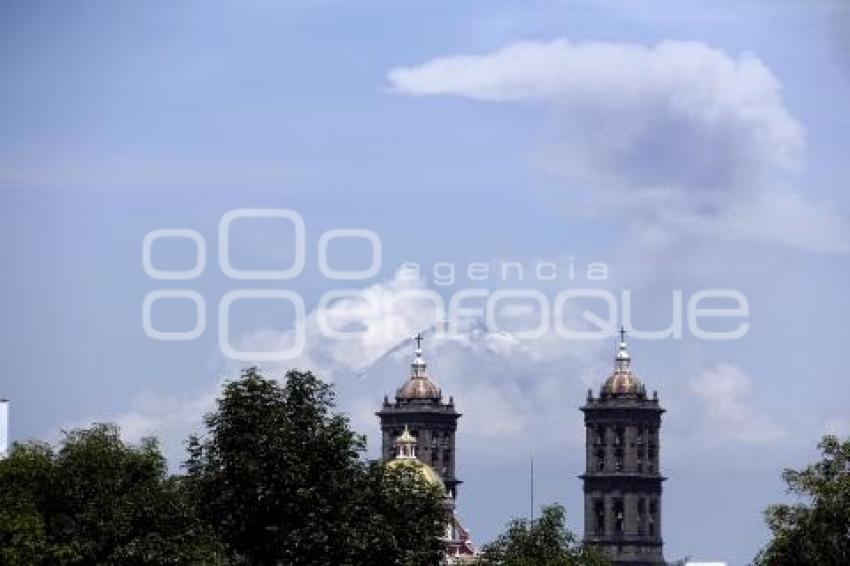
622, 479
419, 409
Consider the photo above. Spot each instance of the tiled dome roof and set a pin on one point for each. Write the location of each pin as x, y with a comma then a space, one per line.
419, 386
623, 381
623, 384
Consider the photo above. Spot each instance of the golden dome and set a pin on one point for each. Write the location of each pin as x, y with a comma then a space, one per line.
425, 471
405, 446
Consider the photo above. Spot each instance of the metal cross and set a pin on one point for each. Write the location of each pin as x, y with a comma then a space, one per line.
622, 334
418, 339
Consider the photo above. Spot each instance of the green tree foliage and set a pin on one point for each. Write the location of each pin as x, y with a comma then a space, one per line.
280, 478
403, 518
547, 542
97, 501
815, 531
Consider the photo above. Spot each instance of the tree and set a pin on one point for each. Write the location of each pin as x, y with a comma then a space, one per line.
280, 478
546, 542
24, 479
96, 501
403, 518
815, 531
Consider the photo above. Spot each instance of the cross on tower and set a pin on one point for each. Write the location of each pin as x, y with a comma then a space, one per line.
418, 339
622, 334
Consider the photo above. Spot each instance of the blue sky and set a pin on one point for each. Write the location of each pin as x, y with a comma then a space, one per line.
687, 145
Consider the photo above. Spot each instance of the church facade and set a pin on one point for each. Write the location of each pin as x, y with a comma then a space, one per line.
622, 478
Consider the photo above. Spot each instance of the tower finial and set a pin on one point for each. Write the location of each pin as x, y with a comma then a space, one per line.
623, 357
417, 368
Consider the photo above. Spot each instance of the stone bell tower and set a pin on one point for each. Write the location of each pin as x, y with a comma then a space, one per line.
419, 407
622, 480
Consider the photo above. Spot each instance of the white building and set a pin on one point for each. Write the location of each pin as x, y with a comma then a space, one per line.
4, 427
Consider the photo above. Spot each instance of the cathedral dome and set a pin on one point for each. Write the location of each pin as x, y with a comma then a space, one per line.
419, 386
623, 384
425, 471
623, 381
405, 446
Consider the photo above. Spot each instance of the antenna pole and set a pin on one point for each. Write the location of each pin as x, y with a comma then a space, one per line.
532, 492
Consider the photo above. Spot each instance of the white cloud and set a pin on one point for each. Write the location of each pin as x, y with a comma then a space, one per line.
517, 396
679, 136
167, 417
728, 413
391, 312
512, 392
508, 389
